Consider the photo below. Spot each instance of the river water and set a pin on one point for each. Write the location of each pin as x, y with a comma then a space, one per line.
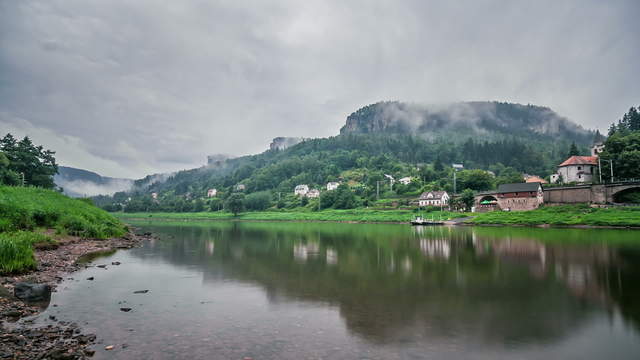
235, 290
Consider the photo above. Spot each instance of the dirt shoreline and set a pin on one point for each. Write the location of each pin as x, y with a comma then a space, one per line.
19, 339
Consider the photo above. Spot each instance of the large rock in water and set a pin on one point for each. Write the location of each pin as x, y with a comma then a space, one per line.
32, 292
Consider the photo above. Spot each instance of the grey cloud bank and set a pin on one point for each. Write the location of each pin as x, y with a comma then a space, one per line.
129, 88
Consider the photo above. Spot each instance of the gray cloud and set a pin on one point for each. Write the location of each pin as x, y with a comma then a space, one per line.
128, 88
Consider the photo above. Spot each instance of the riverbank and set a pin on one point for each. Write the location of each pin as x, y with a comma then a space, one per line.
354, 215
579, 216
43, 234
563, 216
20, 339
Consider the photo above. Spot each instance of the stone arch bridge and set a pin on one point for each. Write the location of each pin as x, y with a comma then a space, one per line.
593, 194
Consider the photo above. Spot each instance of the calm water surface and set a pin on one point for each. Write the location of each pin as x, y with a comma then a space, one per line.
341, 291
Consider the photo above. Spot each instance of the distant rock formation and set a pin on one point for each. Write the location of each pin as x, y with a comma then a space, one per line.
281, 143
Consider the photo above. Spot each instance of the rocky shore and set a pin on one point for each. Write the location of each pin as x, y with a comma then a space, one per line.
19, 338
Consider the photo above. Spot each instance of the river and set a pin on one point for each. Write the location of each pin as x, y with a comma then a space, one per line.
235, 290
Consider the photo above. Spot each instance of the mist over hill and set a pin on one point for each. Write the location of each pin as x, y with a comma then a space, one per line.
491, 120
80, 183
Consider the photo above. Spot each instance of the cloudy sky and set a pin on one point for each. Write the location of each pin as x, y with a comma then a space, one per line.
128, 88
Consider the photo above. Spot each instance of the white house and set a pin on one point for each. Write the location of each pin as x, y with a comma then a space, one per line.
577, 169
391, 179
212, 192
434, 198
154, 196
332, 185
240, 187
597, 148
313, 193
301, 190
405, 180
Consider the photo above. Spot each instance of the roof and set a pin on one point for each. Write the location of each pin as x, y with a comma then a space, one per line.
518, 187
436, 194
580, 160
534, 178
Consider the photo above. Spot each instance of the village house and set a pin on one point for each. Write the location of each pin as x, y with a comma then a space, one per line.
332, 185
534, 179
301, 190
434, 198
511, 197
212, 192
240, 187
405, 181
578, 169
313, 193
154, 196
597, 149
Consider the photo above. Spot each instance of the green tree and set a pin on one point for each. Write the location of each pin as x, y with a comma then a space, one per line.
235, 203
509, 175
258, 201
624, 151
37, 164
467, 198
573, 150
345, 198
475, 179
7, 176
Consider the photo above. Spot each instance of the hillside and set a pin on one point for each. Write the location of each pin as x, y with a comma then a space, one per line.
82, 183
384, 138
490, 120
26, 213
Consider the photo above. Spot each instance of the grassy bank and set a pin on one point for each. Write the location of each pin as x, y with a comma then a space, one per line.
355, 215
564, 215
25, 213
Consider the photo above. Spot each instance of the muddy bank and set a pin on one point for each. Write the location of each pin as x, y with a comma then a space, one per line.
19, 339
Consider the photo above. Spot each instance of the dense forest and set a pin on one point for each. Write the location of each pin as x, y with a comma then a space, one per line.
491, 152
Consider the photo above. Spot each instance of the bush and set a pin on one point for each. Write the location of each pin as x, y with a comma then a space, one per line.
16, 251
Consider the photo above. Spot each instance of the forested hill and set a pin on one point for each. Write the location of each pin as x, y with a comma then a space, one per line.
492, 120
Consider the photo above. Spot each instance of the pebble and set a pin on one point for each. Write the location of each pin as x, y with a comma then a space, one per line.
108, 347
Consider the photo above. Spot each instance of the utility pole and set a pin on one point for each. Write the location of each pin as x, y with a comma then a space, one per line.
600, 169
377, 190
611, 165
22, 176
454, 181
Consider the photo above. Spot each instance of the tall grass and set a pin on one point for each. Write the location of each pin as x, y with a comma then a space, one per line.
24, 210
30, 208
16, 250
565, 215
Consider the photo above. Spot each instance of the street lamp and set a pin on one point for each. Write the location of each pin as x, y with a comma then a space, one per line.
455, 167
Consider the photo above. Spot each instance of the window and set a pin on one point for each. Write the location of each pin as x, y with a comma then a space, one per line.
579, 167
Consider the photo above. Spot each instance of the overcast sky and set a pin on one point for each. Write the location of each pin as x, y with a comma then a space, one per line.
128, 88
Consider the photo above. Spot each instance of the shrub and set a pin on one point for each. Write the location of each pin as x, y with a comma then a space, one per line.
16, 251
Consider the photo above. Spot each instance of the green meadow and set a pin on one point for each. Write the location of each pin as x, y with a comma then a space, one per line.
26, 213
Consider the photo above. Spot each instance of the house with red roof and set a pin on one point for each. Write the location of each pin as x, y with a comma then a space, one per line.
578, 169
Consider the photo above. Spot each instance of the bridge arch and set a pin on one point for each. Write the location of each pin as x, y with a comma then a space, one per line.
626, 194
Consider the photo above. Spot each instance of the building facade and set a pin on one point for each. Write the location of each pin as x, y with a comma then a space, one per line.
511, 197
434, 198
332, 185
313, 194
301, 190
576, 169
212, 192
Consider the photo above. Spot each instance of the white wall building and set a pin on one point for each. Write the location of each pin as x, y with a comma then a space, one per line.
405, 180
332, 185
212, 192
313, 193
301, 190
578, 169
434, 198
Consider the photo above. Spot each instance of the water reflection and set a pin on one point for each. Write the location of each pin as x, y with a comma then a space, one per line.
392, 283
394, 291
